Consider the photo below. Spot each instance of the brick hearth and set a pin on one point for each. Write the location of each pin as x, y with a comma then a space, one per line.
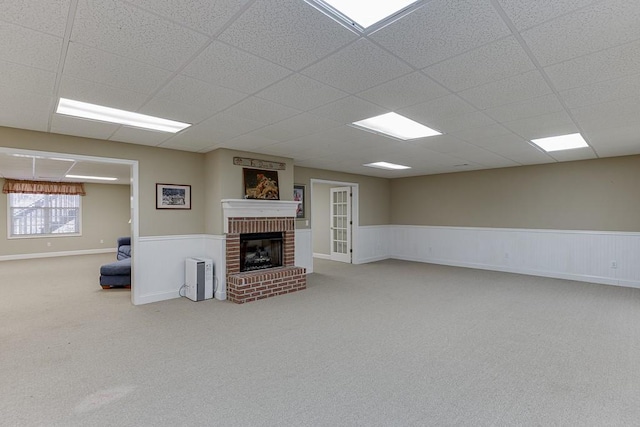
254, 285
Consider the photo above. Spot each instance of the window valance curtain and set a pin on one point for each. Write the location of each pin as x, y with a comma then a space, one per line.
42, 187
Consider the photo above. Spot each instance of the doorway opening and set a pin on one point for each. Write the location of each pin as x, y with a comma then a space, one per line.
103, 162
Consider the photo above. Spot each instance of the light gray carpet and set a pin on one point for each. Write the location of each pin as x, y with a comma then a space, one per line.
383, 344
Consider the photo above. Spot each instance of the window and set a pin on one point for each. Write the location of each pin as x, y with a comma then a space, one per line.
33, 215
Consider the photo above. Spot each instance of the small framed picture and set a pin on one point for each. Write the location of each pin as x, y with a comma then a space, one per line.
173, 196
298, 196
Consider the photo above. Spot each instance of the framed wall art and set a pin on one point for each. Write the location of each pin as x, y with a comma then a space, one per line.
261, 184
298, 196
173, 196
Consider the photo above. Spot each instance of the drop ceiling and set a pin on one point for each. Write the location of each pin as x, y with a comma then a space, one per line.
278, 77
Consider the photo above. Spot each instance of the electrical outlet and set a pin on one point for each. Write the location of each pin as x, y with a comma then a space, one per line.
614, 264
101, 240
48, 244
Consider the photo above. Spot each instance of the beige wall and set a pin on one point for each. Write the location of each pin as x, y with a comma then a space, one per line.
105, 216
224, 180
374, 193
156, 165
597, 194
321, 210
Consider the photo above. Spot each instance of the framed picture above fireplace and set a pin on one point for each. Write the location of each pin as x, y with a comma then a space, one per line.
261, 184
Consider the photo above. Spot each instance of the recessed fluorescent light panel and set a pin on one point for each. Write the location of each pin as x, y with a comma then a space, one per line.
97, 178
387, 166
70, 107
362, 14
397, 126
562, 142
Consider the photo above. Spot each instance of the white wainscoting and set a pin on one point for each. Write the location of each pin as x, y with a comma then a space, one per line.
216, 249
371, 243
304, 249
575, 255
158, 269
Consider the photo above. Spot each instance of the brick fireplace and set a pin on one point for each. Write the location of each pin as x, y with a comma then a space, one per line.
253, 217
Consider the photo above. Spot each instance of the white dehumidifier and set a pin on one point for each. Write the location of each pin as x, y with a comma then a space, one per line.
198, 279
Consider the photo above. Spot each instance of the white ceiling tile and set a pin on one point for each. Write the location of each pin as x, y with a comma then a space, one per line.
480, 132
126, 30
289, 32
470, 120
207, 96
24, 110
609, 90
527, 13
494, 61
223, 127
112, 70
617, 141
434, 110
172, 110
120, 171
15, 167
239, 70
248, 142
96, 93
485, 158
528, 108
349, 110
211, 133
594, 28
300, 92
553, 124
29, 47
517, 88
357, 67
140, 136
496, 141
296, 127
404, 91
261, 110
66, 125
607, 64
442, 144
206, 16
48, 17
523, 153
442, 29
26, 78
607, 115
574, 154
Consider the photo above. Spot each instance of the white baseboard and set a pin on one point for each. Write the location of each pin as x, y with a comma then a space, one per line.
57, 254
155, 297
371, 259
321, 256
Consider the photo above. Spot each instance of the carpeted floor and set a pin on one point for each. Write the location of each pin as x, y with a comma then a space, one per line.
383, 344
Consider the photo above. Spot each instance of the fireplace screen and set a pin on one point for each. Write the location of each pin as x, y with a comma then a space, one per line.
260, 250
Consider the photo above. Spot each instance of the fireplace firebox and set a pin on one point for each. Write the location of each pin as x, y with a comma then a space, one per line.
259, 251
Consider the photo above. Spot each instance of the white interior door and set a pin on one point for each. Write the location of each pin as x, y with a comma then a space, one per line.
341, 224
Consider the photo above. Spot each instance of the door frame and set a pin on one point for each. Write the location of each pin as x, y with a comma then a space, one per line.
355, 211
134, 199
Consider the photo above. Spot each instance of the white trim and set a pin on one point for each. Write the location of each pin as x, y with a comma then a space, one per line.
57, 254
355, 210
250, 208
529, 272
156, 297
528, 230
322, 256
135, 203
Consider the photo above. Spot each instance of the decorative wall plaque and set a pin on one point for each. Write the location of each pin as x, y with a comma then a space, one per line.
259, 164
